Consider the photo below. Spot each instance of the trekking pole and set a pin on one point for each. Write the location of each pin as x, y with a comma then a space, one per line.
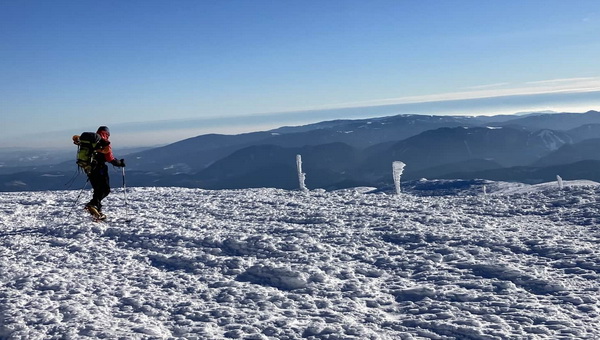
78, 196
125, 193
72, 180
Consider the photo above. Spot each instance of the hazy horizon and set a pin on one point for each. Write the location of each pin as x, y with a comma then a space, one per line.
162, 132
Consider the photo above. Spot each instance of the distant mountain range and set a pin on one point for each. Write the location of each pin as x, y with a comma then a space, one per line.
344, 153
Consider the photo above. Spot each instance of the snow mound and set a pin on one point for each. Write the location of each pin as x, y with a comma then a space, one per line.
281, 278
505, 188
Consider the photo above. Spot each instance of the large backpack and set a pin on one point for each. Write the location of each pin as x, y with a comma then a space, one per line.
88, 143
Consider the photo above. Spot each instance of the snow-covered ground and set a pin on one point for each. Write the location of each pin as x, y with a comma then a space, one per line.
275, 264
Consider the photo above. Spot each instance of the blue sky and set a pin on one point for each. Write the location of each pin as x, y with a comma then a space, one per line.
191, 67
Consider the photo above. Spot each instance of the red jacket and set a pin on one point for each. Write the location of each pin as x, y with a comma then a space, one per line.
107, 150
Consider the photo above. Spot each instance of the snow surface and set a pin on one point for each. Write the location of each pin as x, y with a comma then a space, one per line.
275, 264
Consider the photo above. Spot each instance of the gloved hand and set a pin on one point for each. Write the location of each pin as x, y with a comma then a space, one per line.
118, 162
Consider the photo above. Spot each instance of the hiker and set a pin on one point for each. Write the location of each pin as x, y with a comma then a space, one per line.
98, 175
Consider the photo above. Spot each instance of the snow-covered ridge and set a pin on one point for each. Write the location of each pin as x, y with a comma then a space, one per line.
275, 264
551, 139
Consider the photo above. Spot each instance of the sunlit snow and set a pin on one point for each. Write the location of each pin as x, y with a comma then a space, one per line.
521, 262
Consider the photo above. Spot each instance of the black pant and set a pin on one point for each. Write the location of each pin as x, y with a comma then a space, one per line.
100, 183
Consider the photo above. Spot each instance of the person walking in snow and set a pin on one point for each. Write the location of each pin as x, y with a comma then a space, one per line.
98, 175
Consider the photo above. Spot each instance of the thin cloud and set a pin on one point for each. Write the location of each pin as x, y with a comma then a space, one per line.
488, 86
567, 85
564, 80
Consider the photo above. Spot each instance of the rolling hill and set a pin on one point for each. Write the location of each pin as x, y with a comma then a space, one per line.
346, 153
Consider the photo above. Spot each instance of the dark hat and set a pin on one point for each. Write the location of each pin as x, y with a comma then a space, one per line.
103, 128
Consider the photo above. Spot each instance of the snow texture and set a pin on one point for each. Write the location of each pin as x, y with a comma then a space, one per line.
522, 262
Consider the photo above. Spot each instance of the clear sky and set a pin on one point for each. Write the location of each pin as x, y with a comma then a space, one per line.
189, 67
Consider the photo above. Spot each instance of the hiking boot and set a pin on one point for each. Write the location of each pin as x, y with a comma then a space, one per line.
94, 211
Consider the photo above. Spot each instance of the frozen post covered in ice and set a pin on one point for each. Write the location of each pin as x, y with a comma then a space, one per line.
397, 168
560, 182
301, 175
